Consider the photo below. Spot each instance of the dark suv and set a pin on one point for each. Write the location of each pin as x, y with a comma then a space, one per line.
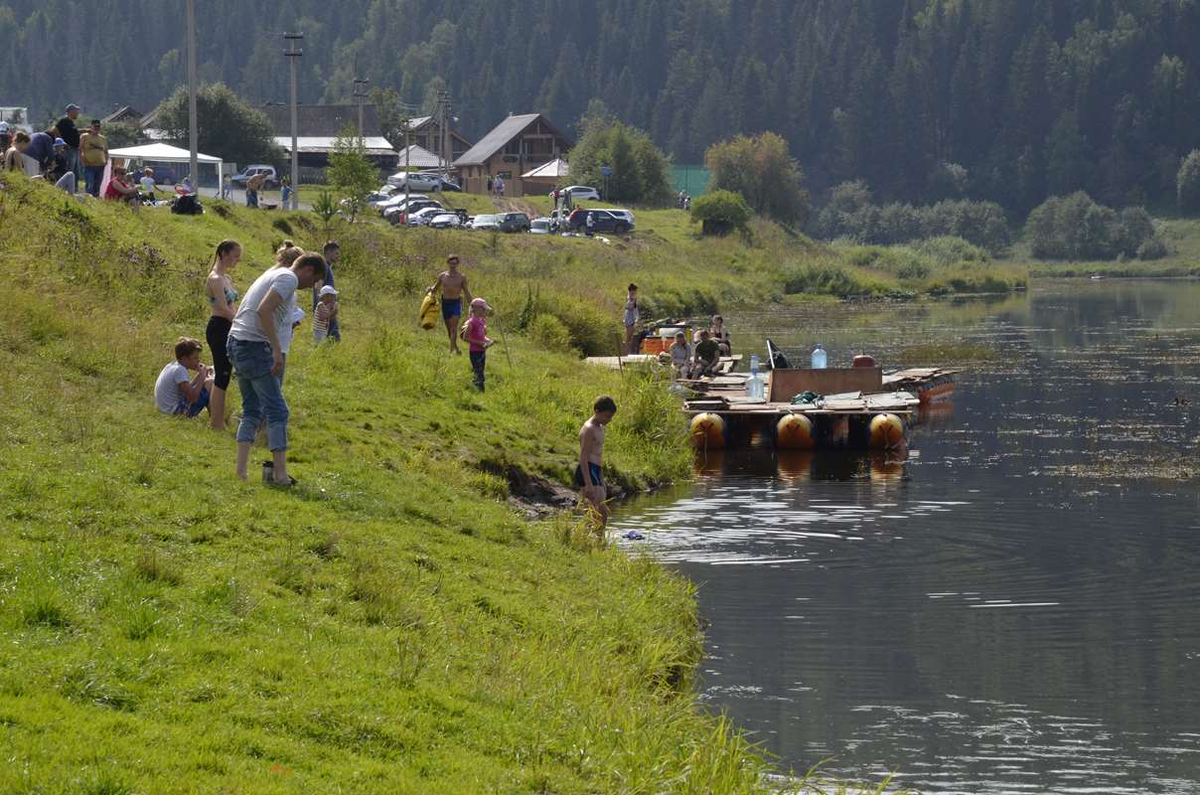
514, 222
603, 221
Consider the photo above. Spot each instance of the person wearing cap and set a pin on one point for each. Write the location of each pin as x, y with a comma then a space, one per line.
325, 313
453, 288
474, 333
65, 129
93, 150
59, 172
331, 252
149, 188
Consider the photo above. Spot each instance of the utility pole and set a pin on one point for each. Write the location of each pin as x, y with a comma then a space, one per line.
407, 168
292, 54
447, 154
193, 123
360, 93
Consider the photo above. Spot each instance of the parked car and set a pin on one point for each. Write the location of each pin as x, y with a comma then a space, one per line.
422, 216
396, 200
514, 222
603, 221
623, 214
579, 192
400, 213
241, 179
486, 222
415, 180
540, 226
445, 221
451, 187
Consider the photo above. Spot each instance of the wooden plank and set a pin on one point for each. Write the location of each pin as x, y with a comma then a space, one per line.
786, 384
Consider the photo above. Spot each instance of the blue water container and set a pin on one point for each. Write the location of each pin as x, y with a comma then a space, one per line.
818, 357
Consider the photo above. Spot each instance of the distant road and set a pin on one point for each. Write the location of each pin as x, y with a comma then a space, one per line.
239, 197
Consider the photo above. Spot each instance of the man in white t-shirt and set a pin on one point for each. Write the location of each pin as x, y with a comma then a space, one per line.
177, 391
263, 319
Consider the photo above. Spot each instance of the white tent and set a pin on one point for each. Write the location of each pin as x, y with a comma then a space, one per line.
165, 153
553, 170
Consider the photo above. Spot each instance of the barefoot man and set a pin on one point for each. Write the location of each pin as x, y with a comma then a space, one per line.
589, 475
453, 287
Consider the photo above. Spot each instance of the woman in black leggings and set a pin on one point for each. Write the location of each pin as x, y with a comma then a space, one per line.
222, 300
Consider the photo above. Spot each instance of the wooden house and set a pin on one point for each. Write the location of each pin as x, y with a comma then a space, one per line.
513, 148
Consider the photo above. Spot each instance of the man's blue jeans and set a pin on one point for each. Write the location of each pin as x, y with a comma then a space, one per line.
93, 176
262, 394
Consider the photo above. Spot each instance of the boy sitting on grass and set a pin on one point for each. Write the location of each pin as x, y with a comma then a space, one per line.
177, 392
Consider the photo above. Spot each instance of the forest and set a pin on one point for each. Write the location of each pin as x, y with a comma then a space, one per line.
1009, 101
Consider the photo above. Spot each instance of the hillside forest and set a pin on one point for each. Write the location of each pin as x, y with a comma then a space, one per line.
922, 99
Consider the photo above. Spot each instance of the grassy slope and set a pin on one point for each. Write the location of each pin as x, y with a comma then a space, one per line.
390, 626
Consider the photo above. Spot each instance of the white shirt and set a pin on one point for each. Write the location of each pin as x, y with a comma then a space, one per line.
147, 184
246, 324
167, 392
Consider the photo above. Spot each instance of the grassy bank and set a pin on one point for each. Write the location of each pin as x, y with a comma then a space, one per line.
1182, 236
393, 624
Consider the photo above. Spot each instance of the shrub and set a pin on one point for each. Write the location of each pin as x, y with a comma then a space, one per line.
1187, 183
721, 211
550, 333
1153, 248
1075, 227
947, 251
850, 214
761, 169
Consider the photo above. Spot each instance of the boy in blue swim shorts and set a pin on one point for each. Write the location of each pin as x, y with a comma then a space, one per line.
452, 285
589, 474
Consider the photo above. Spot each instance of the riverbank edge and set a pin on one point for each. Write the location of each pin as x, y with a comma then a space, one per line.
151, 562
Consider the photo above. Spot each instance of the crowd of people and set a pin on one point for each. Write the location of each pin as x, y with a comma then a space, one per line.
691, 360
249, 336
72, 159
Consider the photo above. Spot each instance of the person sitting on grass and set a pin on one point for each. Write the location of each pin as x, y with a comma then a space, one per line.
325, 313
589, 474
474, 333
681, 355
147, 185
708, 355
177, 392
120, 188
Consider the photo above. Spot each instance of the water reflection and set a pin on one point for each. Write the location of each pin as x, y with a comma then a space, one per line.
1009, 608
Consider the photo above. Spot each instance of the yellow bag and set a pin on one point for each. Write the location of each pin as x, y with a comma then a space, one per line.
429, 311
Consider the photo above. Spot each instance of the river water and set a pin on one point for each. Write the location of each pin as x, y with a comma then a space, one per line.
1015, 607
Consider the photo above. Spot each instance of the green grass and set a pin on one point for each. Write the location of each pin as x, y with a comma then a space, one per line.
391, 625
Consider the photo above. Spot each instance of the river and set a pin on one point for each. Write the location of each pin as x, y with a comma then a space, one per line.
1015, 607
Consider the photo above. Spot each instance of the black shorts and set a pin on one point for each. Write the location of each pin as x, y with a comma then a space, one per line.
217, 335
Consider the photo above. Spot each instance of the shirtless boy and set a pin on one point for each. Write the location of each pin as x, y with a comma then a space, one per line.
453, 287
589, 475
